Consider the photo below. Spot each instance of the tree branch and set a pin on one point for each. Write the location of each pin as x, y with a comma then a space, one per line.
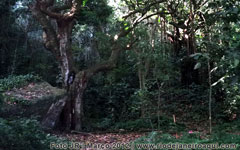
51, 41
116, 49
141, 10
54, 12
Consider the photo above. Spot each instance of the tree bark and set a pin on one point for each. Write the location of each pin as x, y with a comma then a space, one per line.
58, 41
77, 91
53, 113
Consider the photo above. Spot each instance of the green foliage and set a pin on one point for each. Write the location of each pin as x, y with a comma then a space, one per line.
96, 14
231, 127
107, 100
84, 2
17, 81
115, 99
142, 102
232, 101
99, 124
24, 134
43, 64
13, 100
21, 50
226, 67
1, 100
10, 36
109, 96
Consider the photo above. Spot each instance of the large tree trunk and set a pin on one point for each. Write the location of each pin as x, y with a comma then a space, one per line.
58, 41
64, 36
72, 115
76, 92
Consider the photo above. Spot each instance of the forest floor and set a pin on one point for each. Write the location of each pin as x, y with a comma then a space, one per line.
103, 138
181, 115
34, 91
124, 137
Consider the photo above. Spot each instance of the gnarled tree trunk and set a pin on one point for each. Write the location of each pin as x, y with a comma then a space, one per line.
57, 39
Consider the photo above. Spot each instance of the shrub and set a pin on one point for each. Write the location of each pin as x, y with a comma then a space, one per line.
17, 81
24, 134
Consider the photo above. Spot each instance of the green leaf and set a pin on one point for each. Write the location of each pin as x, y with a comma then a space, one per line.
196, 55
236, 62
197, 66
84, 2
206, 55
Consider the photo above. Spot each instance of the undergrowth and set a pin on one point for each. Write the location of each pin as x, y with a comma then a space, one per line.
24, 134
14, 81
220, 136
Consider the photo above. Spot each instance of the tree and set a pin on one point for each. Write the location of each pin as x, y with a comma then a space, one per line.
57, 20
11, 38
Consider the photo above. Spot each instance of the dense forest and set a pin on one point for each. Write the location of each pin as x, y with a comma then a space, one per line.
141, 73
